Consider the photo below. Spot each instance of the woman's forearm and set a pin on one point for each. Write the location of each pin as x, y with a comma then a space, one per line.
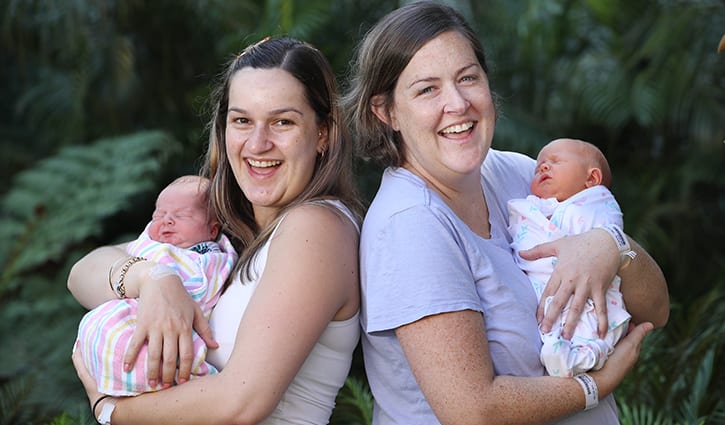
645, 289
197, 401
88, 278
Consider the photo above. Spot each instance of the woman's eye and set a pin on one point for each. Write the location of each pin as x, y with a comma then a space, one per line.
283, 121
426, 90
469, 78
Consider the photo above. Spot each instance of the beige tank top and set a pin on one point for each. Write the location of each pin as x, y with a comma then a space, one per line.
310, 397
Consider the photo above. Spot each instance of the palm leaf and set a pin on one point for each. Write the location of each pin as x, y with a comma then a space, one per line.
640, 415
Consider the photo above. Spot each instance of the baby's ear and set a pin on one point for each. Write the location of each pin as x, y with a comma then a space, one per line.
594, 178
214, 230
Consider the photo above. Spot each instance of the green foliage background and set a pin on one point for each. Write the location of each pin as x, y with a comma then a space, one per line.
105, 102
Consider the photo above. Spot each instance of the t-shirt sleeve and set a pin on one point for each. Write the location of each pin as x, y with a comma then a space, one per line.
417, 267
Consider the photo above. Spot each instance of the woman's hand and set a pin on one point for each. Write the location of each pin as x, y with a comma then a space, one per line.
89, 384
166, 316
622, 359
586, 265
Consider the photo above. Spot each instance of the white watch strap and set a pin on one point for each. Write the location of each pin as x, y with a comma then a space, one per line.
104, 418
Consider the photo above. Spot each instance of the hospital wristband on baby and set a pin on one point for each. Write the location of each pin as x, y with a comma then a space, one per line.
626, 255
591, 392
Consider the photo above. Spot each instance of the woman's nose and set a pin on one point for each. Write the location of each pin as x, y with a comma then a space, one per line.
258, 140
456, 101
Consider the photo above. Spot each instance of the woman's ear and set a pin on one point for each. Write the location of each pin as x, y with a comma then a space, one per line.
379, 106
594, 178
322, 139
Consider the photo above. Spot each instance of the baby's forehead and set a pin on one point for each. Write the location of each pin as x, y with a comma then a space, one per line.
181, 193
564, 146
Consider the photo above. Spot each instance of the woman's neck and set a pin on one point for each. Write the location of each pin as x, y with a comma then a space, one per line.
465, 197
472, 209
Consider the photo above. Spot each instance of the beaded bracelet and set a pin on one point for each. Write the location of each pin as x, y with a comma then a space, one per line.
120, 288
111, 270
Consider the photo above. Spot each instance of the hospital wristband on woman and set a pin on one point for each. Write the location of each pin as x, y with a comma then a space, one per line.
591, 391
626, 255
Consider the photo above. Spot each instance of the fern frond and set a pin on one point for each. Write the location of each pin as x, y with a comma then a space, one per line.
15, 401
354, 404
63, 199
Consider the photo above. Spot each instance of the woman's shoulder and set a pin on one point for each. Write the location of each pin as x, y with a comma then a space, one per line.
399, 191
508, 161
321, 217
508, 173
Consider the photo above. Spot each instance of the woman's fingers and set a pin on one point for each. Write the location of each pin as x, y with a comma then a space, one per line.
201, 326
186, 358
627, 349
89, 384
166, 328
169, 359
622, 359
585, 265
600, 308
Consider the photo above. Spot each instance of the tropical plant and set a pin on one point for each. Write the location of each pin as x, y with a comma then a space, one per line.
632, 77
53, 213
354, 404
105, 103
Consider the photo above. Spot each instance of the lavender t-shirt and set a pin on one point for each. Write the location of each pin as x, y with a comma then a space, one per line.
419, 259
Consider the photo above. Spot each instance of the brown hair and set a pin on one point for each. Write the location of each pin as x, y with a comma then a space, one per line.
332, 177
381, 57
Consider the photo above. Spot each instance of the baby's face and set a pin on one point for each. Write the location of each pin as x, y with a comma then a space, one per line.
180, 217
562, 169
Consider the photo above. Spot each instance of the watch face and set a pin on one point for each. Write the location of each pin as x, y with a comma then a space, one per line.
627, 258
625, 261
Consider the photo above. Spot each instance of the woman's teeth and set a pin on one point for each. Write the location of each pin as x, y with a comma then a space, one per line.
458, 128
263, 164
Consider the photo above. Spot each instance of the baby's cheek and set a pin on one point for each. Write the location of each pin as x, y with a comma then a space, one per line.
154, 231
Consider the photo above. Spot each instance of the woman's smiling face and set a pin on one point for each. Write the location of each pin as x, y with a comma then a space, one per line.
443, 110
272, 138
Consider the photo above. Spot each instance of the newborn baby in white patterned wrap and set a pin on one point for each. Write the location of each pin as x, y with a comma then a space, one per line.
569, 197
